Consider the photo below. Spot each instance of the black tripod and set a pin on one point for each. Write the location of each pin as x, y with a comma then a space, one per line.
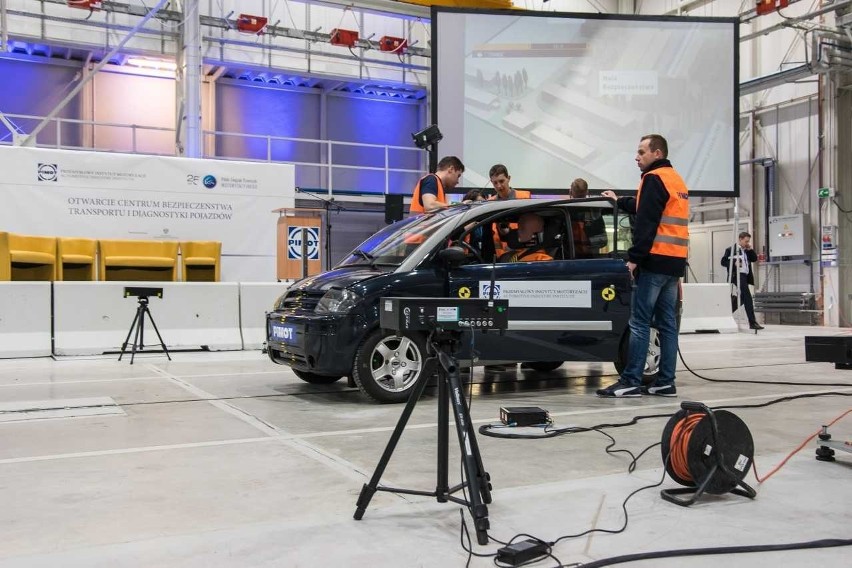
139, 338
450, 392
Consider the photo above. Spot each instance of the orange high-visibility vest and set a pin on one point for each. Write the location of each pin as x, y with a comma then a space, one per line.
673, 231
416, 206
519, 194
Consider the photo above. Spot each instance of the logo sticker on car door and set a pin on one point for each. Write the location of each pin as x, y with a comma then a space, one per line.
538, 293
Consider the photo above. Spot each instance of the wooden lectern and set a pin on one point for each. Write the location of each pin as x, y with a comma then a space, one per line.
298, 256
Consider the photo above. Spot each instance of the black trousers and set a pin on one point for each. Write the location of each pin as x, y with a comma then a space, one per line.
746, 299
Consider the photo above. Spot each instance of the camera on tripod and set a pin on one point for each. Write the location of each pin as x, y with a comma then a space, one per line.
142, 292
137, 328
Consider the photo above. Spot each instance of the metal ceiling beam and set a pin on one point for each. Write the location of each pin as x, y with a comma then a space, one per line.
226, 24
31, 137
789, 22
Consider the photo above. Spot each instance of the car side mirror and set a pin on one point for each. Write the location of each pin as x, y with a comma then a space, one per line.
452, 256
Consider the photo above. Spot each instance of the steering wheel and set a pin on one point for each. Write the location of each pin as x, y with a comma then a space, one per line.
472, 249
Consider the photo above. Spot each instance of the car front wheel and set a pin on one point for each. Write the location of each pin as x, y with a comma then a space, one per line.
387, 365
652, 361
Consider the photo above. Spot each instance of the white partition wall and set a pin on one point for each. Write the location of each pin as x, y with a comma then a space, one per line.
707, 307
24, 319
256, 298
95, 317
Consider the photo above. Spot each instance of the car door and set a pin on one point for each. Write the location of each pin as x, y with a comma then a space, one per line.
574, 309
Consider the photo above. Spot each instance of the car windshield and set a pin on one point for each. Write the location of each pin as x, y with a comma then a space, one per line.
393, 244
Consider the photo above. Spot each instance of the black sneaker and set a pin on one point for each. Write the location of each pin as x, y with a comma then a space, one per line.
660, 390
619, 390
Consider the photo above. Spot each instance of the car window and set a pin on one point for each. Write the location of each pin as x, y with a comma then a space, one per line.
578, 231
393, 244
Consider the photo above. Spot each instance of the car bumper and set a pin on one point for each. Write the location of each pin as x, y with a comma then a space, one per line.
324, 345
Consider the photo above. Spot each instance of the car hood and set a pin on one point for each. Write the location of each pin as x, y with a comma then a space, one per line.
338, 278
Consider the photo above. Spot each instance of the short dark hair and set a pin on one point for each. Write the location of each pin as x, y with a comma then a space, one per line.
498, 169
448, 162
472, 195
745, 234
579, 188
657, 142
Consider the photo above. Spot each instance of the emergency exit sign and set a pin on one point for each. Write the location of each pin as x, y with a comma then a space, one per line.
824, 192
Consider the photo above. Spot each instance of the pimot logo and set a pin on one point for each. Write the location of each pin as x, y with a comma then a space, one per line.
48, 172
209, 181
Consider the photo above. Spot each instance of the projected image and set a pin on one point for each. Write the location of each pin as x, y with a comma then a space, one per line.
557, 98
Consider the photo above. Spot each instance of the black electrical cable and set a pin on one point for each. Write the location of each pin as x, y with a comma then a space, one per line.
824, 543
702, 377
488, 429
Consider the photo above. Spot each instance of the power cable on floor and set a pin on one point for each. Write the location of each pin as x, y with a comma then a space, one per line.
824, 543
702, 377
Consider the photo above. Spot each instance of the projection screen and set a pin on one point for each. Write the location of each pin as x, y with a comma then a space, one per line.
559, 96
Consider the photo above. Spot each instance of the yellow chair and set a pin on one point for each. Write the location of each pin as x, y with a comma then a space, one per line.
201, 261
138, 260
27, 257
75, 259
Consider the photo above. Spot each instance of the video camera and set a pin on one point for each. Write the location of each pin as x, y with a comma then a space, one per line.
142, 292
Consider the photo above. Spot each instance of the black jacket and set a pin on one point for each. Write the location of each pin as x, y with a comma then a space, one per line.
654, 199
752, 260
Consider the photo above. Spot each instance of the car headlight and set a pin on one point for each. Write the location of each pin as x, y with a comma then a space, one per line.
337, 301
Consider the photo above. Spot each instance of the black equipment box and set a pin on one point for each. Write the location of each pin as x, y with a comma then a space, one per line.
448, 314
830, 349
523, 416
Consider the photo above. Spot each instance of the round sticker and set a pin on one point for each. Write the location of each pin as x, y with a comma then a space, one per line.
464, 292
608, 293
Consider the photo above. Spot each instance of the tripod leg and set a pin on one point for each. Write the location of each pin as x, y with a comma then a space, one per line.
140, 311
369, 489
126, 339
160, 337
442, 486
470, 456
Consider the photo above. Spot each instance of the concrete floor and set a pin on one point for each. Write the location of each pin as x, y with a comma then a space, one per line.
224, 459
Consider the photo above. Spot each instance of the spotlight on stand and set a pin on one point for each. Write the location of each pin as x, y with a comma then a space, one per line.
427, 137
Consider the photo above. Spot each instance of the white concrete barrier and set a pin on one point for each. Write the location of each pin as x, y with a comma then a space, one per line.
707, 307
24, 319
95, 317
257, 298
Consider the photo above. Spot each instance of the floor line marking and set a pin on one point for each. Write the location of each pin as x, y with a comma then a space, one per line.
312, 451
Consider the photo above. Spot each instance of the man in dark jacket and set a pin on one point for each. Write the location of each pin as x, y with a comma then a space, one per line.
743, 260
656, 261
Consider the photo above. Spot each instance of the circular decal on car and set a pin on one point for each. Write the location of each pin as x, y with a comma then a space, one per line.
464, 292
608, 293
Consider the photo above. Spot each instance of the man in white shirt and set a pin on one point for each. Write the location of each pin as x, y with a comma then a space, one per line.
743, 258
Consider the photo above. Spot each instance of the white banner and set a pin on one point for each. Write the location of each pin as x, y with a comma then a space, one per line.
540, 293
128, 196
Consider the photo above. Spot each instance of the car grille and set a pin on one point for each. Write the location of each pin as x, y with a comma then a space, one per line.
301, 300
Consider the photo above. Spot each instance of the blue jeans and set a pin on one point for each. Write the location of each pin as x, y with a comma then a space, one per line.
654, 299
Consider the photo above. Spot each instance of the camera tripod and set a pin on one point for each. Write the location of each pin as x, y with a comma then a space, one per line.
139, 338
450, 392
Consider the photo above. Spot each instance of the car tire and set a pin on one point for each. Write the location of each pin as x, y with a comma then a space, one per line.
542, 366
387, 366
652, 363
316, 379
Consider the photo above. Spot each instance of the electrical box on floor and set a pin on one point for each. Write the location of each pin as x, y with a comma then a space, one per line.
523, 416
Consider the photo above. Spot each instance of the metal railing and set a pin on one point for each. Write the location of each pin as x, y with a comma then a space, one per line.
319, 164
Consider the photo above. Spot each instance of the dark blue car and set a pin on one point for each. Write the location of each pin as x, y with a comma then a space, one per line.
326, 327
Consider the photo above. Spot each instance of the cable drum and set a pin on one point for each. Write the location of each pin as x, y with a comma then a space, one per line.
691, 454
